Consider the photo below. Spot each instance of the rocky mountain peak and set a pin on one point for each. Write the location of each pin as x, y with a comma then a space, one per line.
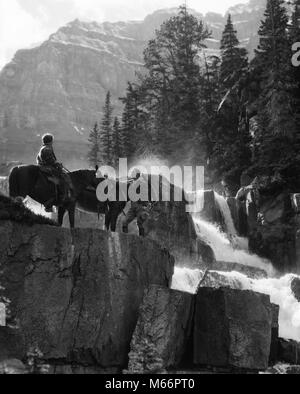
60, 85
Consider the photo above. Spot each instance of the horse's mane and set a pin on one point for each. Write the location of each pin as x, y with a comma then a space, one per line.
80, 176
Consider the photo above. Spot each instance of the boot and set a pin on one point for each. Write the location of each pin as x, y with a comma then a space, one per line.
142, 232
49, 205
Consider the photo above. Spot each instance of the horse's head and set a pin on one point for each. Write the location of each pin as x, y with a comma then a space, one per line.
92, 178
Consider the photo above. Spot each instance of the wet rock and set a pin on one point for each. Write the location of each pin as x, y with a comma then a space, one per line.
296, 202
172, 227
11, 344
162, 331
298, 249
233, 329
283, 369
76, 295
274, 236
250, 272
289, 352
4, 185
295, 286
73, 369
12, 367
238, 211
211, 211
275, 334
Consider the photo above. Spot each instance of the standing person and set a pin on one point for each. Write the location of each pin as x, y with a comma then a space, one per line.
139, 210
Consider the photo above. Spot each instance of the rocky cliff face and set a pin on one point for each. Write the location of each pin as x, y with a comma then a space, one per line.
272, 225
60, 85
76, 296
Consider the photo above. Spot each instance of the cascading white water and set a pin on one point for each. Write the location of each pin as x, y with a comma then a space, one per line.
225, 210
228, 248
279, 290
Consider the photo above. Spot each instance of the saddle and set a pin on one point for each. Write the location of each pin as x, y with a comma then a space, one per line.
48, 173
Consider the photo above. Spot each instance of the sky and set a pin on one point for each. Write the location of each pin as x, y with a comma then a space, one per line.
24, 23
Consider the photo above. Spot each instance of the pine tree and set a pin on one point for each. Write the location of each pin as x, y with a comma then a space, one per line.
294, 38
169, 109
275, 135
295, 24
118, 142
106, 133
234, 58
94, 142
231, 151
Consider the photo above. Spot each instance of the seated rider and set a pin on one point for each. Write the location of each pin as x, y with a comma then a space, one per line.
47, 160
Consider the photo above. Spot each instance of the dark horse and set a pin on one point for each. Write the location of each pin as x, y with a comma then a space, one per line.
29, 181
155, 189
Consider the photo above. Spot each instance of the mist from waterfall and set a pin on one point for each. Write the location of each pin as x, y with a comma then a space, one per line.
231, 248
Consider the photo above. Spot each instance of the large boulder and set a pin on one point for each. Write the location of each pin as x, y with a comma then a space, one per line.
233, 329
250, 272
12, 367
171, 225
295, 286
76, 296
11, 344
298, 247
211, 211
274, 235
289, 352
163, 330
275, 334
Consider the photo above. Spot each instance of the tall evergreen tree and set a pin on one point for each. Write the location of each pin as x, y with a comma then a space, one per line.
294, 38
94, 146
234, 58
118, 142
106, 132
272, 63
130, 120
231, 152
169, 110
275, 145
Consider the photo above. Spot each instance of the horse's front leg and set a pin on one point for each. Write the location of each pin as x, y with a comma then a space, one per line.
61, 214
107, 220
114, 221
71, 211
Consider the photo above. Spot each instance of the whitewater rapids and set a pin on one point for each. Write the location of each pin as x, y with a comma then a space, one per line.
231, 248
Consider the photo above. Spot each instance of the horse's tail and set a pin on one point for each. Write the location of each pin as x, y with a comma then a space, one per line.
13, 183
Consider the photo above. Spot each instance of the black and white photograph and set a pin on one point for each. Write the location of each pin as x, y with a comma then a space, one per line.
150, 190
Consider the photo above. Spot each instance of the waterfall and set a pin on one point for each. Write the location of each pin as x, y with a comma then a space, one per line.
225, 210
231, 248
227, 247
279, 290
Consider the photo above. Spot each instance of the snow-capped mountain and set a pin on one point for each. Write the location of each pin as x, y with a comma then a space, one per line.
60, 85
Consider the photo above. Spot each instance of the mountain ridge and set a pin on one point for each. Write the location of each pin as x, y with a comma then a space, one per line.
60, 85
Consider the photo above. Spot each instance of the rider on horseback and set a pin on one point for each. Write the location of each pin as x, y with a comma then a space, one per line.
47, 160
